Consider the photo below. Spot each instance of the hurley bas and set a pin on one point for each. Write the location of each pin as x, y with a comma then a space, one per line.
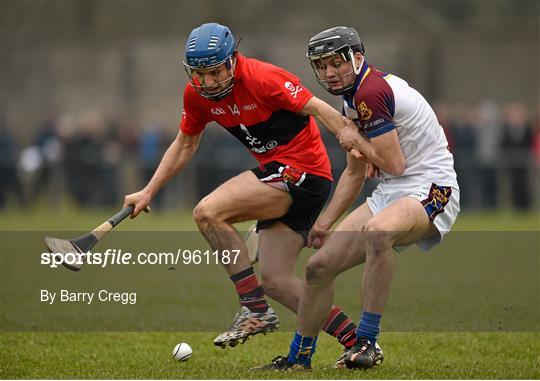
102, 296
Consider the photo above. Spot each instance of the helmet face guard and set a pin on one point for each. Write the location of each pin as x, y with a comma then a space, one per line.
210, 49
325, 47
202, 88
319, 66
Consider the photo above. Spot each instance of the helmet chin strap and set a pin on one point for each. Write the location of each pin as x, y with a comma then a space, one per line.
358, 69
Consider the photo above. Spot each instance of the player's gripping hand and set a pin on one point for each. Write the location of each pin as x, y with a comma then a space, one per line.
317, 236
348, 137
140, 200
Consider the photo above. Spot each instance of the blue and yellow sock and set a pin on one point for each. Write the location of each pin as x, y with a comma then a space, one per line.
302, 349
369, 326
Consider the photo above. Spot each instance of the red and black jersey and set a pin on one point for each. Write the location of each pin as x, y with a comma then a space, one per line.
262, 113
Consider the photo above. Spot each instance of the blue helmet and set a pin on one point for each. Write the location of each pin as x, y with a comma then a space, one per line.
207, 47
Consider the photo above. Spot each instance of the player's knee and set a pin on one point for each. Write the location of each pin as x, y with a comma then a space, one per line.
378, 237
202, 214
318, 270
273, 286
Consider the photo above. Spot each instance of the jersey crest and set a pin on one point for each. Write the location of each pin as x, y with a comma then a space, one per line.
364, 111
437, 199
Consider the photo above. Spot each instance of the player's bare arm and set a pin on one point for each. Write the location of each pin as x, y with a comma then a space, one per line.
326, 114
383, 151
347, 190
177, 156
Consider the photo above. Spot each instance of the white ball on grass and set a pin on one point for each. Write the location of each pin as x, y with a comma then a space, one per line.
182, 352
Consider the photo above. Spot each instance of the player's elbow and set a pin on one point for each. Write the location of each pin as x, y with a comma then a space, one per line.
396, 167
185, 142
188, 145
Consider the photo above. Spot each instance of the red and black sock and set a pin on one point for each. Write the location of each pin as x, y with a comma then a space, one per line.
250, 292
341, 327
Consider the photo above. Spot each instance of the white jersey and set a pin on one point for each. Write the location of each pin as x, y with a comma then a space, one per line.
383, 102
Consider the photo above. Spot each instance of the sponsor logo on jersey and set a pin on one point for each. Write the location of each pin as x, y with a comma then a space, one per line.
249, 107
271, 145
374, 123
293, 89
364, 111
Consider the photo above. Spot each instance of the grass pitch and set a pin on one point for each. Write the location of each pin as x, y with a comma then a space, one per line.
451, 287
148, 355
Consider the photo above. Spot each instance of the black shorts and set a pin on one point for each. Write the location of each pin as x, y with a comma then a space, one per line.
309, 194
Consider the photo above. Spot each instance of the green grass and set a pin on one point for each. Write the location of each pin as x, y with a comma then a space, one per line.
481, 288
40, 218
148, 355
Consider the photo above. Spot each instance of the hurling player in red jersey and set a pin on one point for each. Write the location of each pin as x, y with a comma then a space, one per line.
271, 114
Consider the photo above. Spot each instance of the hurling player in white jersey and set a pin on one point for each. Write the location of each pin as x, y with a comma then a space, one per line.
397, 132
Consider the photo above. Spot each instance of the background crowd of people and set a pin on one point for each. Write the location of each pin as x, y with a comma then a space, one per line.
124, 61
93, 160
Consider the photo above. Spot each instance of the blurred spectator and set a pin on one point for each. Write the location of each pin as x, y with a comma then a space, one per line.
52, 150
112, 155
488, 152
8, 174
536, 141
463, 131
92, 155
152, 145
29, 171
517, 142
443, 110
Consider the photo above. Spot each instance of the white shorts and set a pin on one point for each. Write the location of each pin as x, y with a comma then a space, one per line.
440, 202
